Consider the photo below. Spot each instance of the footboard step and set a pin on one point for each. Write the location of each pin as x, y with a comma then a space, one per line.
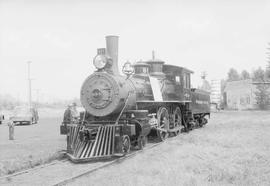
91, 159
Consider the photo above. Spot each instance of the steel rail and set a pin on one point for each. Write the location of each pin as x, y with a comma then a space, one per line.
32, 169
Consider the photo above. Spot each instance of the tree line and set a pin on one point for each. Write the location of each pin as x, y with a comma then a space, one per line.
9, 102
258, 74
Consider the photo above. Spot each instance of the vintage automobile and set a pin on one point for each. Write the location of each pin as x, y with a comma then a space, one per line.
24, 115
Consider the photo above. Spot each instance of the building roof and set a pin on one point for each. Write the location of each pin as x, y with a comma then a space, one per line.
247, 83
234, 85
260, 82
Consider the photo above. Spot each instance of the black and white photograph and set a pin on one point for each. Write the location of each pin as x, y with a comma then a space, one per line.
134, 92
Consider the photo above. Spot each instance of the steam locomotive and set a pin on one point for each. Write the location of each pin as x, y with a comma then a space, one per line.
153, 100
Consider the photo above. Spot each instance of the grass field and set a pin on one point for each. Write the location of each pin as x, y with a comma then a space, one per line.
33, 145
232, 149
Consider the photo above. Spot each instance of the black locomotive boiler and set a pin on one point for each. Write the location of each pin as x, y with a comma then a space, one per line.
152, 100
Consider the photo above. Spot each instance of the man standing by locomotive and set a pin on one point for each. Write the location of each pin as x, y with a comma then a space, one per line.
74, 112
66, 120
68, 115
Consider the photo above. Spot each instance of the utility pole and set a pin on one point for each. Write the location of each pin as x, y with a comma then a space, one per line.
203, 75
153, 55
37, 98
29, 84
268, 61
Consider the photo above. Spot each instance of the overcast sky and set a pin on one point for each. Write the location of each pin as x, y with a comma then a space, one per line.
61, 37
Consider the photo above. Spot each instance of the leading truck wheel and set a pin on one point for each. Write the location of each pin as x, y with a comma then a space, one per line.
125, 144
141, 142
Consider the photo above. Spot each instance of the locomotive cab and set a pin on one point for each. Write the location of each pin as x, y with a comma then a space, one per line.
179, 82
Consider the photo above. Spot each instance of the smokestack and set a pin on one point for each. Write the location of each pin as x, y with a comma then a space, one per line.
112, 51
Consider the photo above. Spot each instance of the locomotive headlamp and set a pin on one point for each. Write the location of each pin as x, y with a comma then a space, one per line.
100, 61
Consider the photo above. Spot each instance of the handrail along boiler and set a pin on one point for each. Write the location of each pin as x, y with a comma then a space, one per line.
154, 100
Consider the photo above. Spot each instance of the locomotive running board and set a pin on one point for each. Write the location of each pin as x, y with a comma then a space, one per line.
168, 101
101, 148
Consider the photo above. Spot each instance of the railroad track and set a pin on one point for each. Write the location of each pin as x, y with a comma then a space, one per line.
35, 175
117, 160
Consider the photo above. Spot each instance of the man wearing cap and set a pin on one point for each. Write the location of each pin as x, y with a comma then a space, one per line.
68, 115
74, 112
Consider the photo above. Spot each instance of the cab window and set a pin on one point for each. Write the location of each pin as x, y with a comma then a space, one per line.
177, 79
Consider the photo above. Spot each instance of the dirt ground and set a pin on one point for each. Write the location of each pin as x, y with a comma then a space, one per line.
34, 144
232, 149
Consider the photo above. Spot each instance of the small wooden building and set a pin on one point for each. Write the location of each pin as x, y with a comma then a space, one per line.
240, 95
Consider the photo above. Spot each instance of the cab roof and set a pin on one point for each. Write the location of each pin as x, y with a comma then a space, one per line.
175, 69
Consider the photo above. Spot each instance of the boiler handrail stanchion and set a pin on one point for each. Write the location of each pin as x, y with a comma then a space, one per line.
118, 118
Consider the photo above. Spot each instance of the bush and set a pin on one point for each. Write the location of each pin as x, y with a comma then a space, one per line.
263, 95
